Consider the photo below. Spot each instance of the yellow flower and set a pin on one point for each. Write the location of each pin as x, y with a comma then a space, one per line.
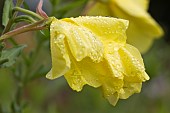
142, 30
93, 51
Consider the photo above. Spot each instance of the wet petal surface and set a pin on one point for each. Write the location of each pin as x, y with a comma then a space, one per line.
93, 51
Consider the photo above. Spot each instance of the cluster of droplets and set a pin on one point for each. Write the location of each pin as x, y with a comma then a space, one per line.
106, 30
89, 44
96, 48
115, 63
102, 46
59, 40
134, 70
80, 51
77, 80
96, 52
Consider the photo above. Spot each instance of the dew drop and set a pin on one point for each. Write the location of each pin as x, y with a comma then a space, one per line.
55, 40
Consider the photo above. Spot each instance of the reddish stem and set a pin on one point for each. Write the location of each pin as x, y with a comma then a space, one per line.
40, 11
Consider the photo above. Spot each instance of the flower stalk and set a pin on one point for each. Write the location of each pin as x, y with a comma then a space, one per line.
42, 24
27, 12
24, 18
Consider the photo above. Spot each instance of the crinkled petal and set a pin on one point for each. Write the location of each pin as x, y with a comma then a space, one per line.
127, 72
113, 98
81, 41
60, 57
85, 72
111, 29
129, 89
133, 64
114, 59
86, 54
143, 28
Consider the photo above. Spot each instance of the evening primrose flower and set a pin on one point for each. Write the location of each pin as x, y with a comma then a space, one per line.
143, 29
93, 51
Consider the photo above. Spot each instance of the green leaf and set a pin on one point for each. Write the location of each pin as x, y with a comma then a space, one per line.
6, 12
45, 32
9, 56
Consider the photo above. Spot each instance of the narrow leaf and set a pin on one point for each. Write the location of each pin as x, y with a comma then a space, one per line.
11, 55
6, 12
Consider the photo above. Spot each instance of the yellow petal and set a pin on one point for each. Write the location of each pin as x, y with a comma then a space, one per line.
142, 3
129, 10
113, 99
141, 23
112, 83
127, 72
111, 29
60, 58
143, 42
85, 72
129, 89
95, 8
81, 41
83, 32
93, 51
133, 64
143, 28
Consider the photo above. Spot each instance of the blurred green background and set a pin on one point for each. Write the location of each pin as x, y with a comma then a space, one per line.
39, 95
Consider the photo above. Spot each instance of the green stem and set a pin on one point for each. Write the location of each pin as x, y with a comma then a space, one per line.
19, 92
24, 18
28, 12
